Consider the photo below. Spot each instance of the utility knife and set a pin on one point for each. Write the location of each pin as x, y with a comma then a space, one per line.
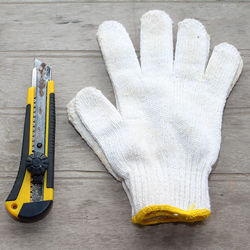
32, 194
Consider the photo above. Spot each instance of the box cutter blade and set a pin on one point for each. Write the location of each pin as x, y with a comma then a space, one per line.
32, 194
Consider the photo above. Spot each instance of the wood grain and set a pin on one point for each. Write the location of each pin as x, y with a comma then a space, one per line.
70, 27
115, 1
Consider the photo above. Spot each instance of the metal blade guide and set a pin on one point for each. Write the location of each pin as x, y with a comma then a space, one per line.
41, 76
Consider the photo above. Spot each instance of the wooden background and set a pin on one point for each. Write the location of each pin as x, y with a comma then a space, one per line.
91, 210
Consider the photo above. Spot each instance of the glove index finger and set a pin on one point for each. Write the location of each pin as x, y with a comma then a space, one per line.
118, 53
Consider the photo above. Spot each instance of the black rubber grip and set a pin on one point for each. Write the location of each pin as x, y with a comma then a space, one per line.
34, 211
51, 141
25, 153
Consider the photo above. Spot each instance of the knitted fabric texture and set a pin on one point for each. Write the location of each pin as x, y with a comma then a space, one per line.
164, 135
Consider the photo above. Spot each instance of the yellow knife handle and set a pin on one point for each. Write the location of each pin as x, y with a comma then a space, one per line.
19, 202
20, 192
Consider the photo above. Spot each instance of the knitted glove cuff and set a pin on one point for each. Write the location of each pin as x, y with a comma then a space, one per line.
169, 196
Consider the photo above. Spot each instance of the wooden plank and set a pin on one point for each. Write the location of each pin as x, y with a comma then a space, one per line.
72, 153
69, 74
114, 1
74, 71
95, 214
233, 156
66, 26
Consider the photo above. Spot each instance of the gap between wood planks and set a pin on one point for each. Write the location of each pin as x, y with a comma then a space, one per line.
99, 175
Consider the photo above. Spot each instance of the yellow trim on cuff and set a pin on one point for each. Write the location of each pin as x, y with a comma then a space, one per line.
164, 213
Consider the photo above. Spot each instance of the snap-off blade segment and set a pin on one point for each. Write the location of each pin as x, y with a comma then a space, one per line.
43, 75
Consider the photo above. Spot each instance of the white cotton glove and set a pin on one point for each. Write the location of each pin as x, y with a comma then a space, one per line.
165, 134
